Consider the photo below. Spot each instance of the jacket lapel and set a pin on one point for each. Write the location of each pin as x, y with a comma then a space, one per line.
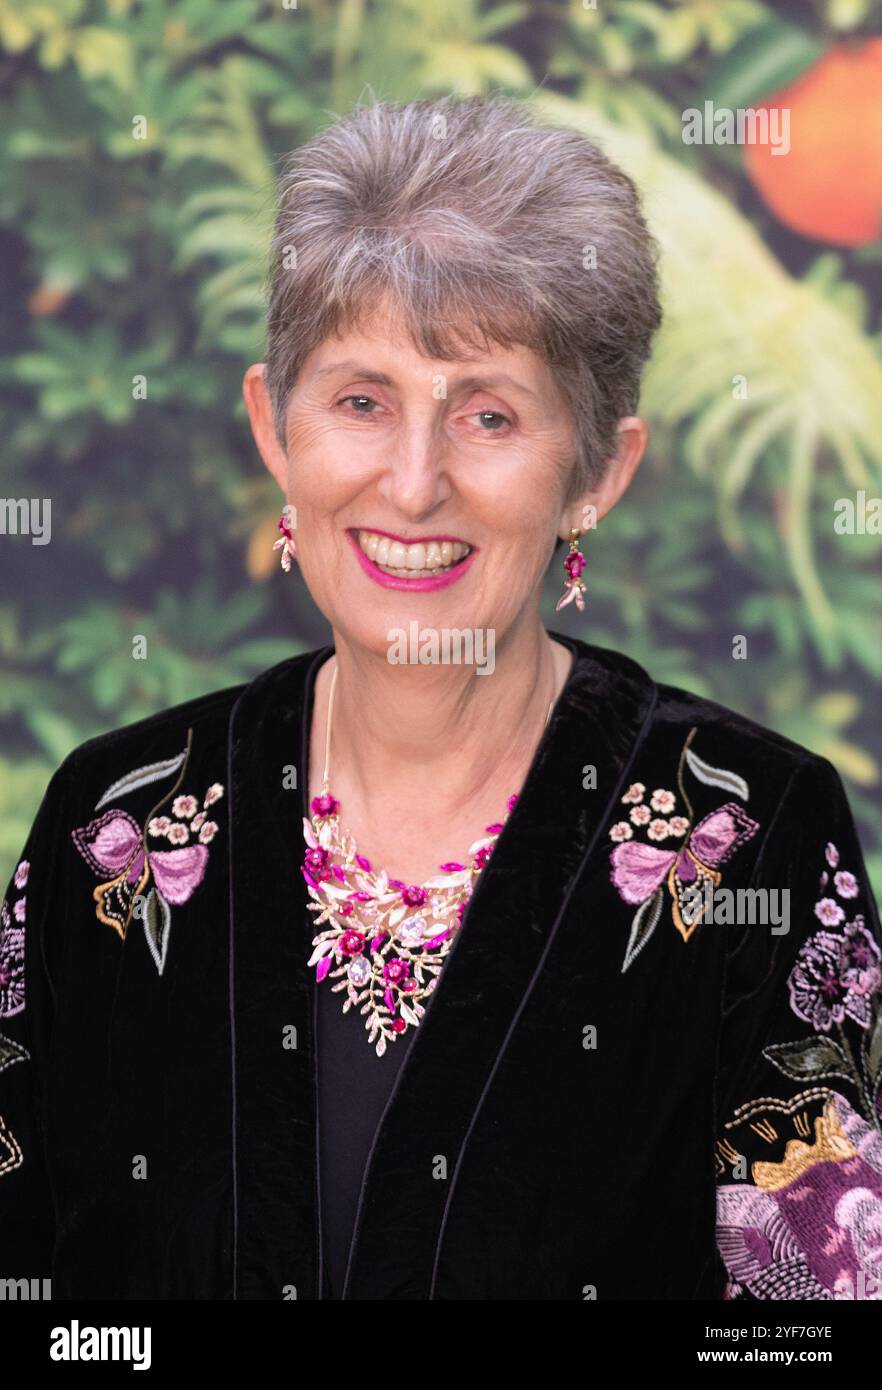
276, 1210
508, 930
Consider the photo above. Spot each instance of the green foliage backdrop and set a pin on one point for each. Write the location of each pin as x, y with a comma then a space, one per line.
136, 197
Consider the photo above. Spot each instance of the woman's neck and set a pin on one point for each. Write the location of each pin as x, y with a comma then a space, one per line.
398, 728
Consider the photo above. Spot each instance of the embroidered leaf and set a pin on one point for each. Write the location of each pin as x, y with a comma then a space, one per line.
717, 776
11, 1052
141, 777
381, 1046
157, 921
643, 925
809, 1059
409, 1015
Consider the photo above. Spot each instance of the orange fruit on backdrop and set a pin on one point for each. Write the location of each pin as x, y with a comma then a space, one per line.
829, 185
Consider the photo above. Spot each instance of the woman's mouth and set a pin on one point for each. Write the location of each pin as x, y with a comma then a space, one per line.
429, 563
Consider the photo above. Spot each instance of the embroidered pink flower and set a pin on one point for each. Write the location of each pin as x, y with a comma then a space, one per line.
159, 825
829, 912
18, 909
678, 825
185, 806
846, 884
482, 855
634, 794
860, 958
658, 830
832, 855
178, 834
21, 874
834, 976
197, 821
395, 971
207, 832
641, 815
214, 793
621, 831
323, 806
663, 801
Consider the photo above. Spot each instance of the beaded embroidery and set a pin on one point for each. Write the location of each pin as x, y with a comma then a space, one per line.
390, 963
12, 947
808, 1223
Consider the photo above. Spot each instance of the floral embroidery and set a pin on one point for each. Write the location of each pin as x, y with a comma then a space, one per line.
809, 1225
640, 871
10, 1153
12, 948
11, 1052
837, 976
115, 844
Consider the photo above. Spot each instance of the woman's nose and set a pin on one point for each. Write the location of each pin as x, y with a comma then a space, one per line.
415, 479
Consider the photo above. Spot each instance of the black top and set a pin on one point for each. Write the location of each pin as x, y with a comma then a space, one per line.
354, 1085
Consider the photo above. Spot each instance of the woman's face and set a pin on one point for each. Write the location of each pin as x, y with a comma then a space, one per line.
422, 490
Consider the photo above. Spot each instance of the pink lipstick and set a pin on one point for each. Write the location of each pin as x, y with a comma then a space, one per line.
426, 582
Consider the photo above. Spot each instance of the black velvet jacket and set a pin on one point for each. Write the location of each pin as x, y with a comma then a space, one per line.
619, 1090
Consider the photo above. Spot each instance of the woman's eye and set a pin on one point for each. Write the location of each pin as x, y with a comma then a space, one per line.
492, 420
359, 402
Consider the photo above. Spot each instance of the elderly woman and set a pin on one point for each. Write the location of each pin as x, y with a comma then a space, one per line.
457, 959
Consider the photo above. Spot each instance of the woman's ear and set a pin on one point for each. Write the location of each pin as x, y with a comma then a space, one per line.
260, 413
595, 501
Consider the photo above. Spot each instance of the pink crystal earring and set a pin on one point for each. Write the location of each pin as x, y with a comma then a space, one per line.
574, 587
286, 541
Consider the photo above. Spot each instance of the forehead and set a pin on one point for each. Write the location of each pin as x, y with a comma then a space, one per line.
379, 346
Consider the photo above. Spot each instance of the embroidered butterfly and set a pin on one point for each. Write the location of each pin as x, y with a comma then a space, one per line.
640, 871
144, 881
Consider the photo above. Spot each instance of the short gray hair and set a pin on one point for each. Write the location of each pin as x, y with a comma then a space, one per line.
484, 226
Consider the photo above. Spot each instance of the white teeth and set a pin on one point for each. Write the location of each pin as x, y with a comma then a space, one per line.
417, 561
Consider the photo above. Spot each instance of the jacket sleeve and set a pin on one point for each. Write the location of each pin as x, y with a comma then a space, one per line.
31, 940
799, 1132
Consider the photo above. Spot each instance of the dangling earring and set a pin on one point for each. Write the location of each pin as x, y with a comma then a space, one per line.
574, 587
286, 543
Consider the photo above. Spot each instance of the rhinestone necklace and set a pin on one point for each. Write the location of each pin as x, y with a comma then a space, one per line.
383, 942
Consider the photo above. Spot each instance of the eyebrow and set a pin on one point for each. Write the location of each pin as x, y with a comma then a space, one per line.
469, 383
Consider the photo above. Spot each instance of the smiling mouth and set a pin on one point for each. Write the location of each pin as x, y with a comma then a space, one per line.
418, 560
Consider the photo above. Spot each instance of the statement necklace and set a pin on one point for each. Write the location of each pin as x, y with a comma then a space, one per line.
383, 941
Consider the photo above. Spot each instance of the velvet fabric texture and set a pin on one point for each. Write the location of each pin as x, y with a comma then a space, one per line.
604, 1098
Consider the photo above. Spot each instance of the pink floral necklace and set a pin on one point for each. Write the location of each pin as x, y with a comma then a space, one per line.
383, 941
